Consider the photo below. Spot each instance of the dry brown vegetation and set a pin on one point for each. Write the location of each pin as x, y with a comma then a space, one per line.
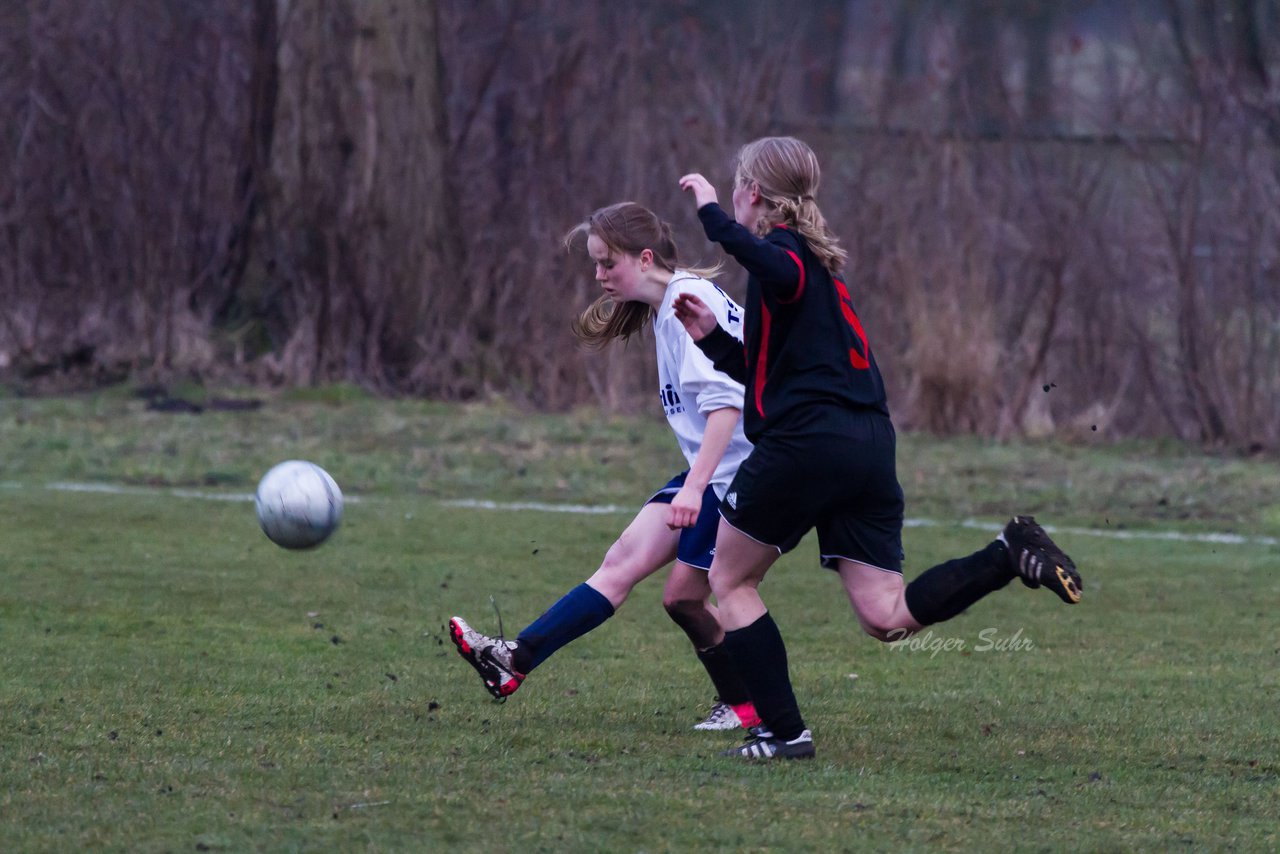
1059, 221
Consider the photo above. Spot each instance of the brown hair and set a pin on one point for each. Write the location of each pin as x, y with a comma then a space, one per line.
787, 173
626, 228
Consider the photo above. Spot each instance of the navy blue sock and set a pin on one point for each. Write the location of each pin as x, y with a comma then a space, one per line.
578, 612
940, 593
760, 657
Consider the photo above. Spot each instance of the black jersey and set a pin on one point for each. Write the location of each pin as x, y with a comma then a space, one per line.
804, 343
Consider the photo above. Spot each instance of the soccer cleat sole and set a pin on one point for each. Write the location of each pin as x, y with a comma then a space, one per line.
1067, 588
459, 641
716, 727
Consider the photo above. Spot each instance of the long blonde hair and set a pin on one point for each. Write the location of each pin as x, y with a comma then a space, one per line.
787, 173
626, 228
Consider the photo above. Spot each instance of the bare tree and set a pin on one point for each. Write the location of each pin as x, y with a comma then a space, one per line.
360, 209
1061, 217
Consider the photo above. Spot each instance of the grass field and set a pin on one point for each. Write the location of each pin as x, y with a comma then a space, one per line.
174, 682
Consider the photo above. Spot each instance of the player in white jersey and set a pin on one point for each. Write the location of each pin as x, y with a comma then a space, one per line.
689, 387
636, 265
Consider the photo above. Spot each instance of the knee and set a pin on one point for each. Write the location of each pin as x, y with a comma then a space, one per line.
682, 608
618, 554
722, 585
613, 579
885, 623
886, 632
623, 561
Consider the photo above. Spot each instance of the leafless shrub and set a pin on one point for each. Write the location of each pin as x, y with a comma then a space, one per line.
118, 185
1046, 234
575, 116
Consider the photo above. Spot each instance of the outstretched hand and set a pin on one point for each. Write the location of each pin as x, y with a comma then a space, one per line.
703, 192
699, 320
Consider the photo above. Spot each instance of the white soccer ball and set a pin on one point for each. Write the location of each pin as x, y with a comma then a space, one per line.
298, 504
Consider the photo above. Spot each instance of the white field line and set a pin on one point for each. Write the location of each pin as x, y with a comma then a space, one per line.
1111, 533
592, 509
114, 489
198, 494
604, 509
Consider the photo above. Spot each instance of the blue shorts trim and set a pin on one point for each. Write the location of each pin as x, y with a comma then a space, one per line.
697, 544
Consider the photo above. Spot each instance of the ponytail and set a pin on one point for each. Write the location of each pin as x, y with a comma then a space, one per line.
787, 173
802, 215
605, 320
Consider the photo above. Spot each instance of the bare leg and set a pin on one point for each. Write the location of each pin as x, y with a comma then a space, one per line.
687, 598
738, 568
642, 549
878, 599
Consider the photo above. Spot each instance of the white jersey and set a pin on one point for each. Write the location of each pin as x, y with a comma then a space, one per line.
689, 386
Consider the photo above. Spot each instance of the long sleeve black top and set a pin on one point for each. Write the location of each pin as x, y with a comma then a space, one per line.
803, 342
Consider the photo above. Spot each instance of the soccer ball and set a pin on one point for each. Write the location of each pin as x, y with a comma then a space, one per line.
298, 504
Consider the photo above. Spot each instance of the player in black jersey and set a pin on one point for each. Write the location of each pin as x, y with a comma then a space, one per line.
824, 454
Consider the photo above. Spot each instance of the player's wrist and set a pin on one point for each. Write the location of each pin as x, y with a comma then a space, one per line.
696, 485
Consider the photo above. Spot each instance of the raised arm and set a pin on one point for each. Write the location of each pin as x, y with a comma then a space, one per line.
776, 265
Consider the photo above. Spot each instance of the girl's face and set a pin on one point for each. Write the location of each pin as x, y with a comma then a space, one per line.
620, 274
746, 201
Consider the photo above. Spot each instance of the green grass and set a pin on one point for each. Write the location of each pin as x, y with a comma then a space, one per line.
409, 447
173, 682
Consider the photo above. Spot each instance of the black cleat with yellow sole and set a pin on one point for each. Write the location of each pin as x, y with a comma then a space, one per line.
1039, 562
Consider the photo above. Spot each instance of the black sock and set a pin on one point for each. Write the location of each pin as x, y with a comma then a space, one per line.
940, 593
760, 657
729, 687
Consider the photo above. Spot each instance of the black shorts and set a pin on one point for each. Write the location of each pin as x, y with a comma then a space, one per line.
829, 468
